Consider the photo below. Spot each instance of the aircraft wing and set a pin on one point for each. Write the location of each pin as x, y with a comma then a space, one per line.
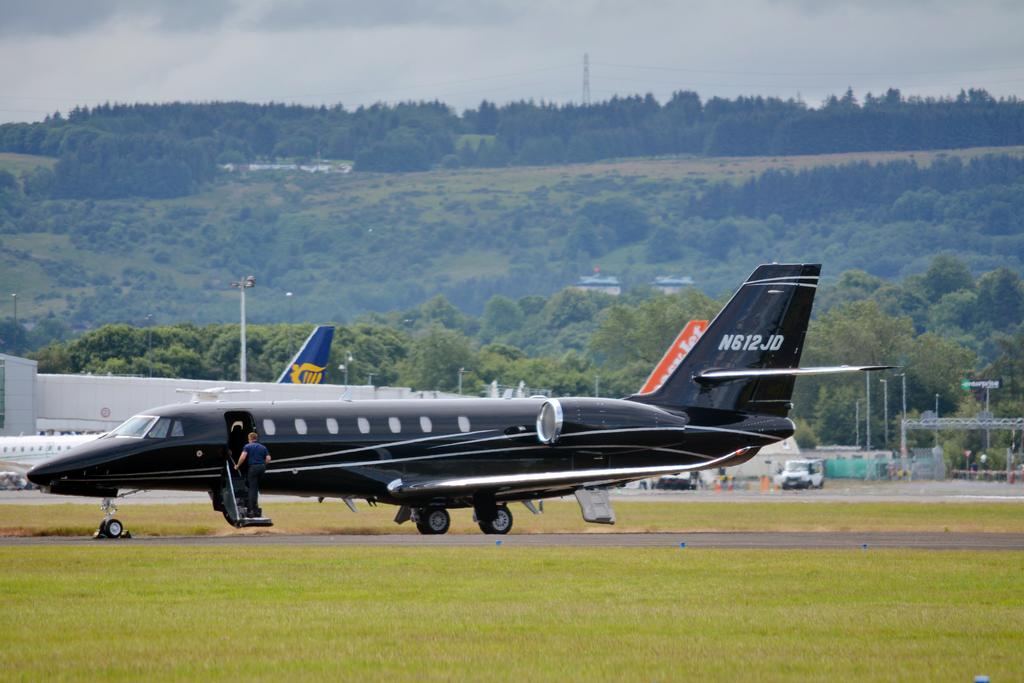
569, 479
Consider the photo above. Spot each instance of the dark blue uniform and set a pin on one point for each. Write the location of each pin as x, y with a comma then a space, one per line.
256, 459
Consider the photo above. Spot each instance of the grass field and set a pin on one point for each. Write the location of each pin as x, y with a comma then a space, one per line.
564, 516
120, 612
18, 163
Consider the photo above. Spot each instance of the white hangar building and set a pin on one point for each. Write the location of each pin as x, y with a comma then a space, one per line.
31, 402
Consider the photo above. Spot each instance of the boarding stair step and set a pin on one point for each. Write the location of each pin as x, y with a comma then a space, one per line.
255, 521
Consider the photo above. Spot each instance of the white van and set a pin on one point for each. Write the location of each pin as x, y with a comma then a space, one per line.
801, 474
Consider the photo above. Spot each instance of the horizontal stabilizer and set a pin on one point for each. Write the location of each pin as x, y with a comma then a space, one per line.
712, 376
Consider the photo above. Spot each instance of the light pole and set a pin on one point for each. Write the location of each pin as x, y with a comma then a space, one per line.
461, 372
149, 341
344, 366
867, 413
885, 409
14, 298
597, 386
988, 416
903, 431
291, 318
856, 422
242, 285
936, 419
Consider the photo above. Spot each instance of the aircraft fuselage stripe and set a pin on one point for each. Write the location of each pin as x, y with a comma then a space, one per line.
283, 465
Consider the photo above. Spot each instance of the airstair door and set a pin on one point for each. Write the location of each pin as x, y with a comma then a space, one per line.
233, 493
239, 424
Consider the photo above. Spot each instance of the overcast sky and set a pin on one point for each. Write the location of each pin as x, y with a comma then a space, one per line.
56, 54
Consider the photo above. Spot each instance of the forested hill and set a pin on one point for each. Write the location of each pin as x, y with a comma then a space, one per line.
172, 150
349, 244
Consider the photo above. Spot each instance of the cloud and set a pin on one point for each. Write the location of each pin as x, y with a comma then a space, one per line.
25, 19
341, 14
359, 52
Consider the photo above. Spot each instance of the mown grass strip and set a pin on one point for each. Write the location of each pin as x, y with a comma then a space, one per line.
122, 612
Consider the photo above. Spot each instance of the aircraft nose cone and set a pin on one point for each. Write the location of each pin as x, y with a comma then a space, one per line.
43, 473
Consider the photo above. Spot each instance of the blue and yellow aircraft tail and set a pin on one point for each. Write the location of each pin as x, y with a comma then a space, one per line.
309, 364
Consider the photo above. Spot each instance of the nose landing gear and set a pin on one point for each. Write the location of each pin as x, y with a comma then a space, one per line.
110, 527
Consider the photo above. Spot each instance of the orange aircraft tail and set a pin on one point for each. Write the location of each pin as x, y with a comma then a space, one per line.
675, 354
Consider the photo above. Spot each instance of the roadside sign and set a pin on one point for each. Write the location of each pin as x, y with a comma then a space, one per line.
969, 384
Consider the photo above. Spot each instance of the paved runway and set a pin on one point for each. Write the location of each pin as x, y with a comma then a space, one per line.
739, 540
836, 490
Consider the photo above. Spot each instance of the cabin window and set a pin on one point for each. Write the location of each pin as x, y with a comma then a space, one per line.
300, 425
177, 429
364, 425
269, 428
159, 430
332, 425
395, 425
463, 423
425, 425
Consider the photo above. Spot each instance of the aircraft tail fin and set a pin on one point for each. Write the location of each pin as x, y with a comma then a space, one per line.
309, 364
761, 328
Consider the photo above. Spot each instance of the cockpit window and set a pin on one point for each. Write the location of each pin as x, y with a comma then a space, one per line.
134, 426
177, 429
159, 430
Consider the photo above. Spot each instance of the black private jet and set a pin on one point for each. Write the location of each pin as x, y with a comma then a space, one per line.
726, 399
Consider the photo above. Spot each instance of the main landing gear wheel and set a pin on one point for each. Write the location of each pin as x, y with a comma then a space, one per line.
433, 521
501, 523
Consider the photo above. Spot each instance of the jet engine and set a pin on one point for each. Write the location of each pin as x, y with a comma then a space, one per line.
560, 418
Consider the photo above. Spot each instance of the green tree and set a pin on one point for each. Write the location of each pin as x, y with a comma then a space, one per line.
1000, 299
954, 313
435, 359
375, 348
502, 316
946, 274
859, 333
14, 338
935, 365
570, 306
89, 352
642, 333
